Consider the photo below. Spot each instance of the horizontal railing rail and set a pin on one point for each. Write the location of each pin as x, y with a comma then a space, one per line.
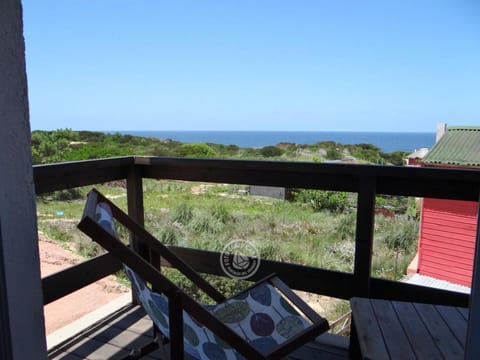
67, 175
365, 180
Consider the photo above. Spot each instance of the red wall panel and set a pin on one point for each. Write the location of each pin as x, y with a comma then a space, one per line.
447, 240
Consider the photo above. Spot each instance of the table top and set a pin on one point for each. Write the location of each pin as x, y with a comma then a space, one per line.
404, 330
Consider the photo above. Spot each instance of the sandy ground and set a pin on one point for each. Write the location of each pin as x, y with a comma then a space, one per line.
59, 313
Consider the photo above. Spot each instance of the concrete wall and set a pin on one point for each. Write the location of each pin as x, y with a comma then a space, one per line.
270, 191
19, 262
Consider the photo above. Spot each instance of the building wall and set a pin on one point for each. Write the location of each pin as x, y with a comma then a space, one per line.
22, 321
270, 191
447, 240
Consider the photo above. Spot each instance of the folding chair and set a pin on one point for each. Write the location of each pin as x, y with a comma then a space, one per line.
266, 321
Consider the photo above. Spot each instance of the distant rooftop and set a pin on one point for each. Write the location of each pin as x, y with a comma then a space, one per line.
418, 153
459, 146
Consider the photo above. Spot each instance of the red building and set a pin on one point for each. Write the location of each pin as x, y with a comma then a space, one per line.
448, 228
415, 158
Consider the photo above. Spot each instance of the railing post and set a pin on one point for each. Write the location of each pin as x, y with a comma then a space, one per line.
364, 236
136, 211
472, 345
135, 206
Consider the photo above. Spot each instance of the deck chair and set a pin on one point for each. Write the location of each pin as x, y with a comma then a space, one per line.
266, 321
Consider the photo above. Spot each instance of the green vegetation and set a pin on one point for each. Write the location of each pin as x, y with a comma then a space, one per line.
69, 145
315, 228
208, 216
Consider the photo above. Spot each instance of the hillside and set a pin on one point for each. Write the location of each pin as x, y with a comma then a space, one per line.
68, 145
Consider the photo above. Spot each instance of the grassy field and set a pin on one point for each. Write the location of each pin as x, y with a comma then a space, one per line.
207, 216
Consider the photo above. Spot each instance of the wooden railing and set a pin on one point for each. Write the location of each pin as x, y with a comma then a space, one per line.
365, 180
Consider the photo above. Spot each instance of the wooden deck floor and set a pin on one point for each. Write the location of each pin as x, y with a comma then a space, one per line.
130, 328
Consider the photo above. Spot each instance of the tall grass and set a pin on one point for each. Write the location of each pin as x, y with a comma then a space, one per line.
294, 232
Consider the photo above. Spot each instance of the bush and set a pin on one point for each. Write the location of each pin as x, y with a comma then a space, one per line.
200, 150
168, 235
346, 227
56, 231
182, 214
88, 249
67, 195
402, 237
333, 154
323, 200
271, 151
395, 158
205, 223
220, 212
228, 287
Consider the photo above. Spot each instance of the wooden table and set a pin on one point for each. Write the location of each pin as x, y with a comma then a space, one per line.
383, 329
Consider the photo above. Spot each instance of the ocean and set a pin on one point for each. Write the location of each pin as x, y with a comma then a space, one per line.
386, 141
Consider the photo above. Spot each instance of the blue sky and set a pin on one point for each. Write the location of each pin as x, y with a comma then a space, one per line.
253, 64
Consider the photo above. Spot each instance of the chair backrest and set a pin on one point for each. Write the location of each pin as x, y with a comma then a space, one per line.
199, 341
258, 322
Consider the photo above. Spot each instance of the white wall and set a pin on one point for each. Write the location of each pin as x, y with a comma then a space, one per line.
17, 201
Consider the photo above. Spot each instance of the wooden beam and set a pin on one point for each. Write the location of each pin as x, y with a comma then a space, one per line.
69, 175
364, 236
136, 208
391, 180
64, 282
300, 277
266, 173
321, 281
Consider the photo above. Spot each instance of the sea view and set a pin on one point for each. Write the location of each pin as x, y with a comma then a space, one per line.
386, 141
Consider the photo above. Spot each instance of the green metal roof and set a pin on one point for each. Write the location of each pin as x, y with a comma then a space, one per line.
459, 146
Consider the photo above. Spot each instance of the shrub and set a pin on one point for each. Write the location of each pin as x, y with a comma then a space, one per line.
182, 214
220, 212
56, 232
346, 226
333, 154
228, 287
168, 235
196, 150
271, 151
205, 223
323, 200
395, 158
67, 195
88, 249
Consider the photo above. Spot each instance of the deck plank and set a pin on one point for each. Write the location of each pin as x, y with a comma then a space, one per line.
130, 328
396, 340
371, 343
92, 349
455, 321
446, 341
65, 356
417, 333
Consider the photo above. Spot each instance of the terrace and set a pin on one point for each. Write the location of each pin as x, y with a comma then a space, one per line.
128, 327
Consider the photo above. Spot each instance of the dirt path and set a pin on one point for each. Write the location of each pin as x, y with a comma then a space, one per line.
59, 313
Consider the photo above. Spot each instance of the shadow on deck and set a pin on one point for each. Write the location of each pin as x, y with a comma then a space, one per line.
129, 328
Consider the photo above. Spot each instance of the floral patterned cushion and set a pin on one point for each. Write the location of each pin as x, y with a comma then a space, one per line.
261, 315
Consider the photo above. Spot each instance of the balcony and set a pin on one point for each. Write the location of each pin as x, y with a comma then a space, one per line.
128, 326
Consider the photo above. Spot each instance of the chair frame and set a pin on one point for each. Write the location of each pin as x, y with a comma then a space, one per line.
179, 300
